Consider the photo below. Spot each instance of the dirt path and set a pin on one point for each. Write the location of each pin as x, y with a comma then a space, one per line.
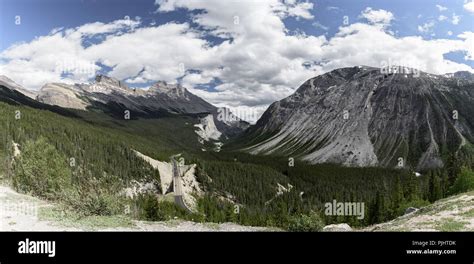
19, 212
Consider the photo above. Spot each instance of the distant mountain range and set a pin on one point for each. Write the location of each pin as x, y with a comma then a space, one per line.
357, 116
361, 116
114, 97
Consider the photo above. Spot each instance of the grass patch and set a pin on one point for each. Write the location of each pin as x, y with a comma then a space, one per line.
170, 223
424, 224
450, 225
214, 226
469, 213
399, 229
68, 218
443, 207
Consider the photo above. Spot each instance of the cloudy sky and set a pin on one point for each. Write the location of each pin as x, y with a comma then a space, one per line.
243, 54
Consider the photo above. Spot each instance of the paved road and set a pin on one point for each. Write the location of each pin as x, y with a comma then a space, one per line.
177, 186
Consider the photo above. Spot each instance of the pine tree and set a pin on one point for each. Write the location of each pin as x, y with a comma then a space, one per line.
452, 166
435, 189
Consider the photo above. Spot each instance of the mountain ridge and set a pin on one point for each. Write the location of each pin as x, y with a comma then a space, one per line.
114, 97
363, 116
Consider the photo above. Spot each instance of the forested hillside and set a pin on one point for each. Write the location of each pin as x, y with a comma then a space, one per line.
84, 160
385, 192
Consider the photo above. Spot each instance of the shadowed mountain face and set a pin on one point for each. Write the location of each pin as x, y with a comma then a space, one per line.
160, 97
362, 116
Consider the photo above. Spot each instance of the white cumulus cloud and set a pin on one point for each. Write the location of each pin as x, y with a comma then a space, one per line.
257, 61
441, 8
469, 6
426, 27
377, 16
456, 19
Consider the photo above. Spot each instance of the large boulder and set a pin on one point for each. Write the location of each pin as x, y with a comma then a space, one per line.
410, 210
337, 228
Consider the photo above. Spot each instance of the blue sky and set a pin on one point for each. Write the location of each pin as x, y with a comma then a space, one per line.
38, 17
272, 48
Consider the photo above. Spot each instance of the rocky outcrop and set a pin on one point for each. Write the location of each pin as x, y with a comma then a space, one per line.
62, 95
410, 210
337, 228
207, 129
190, 187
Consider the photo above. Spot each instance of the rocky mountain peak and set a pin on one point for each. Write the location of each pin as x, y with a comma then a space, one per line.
173, 90
465, 75
110, 95
364, 116
110, 81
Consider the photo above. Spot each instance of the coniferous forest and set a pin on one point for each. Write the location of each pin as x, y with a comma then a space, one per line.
84, 161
